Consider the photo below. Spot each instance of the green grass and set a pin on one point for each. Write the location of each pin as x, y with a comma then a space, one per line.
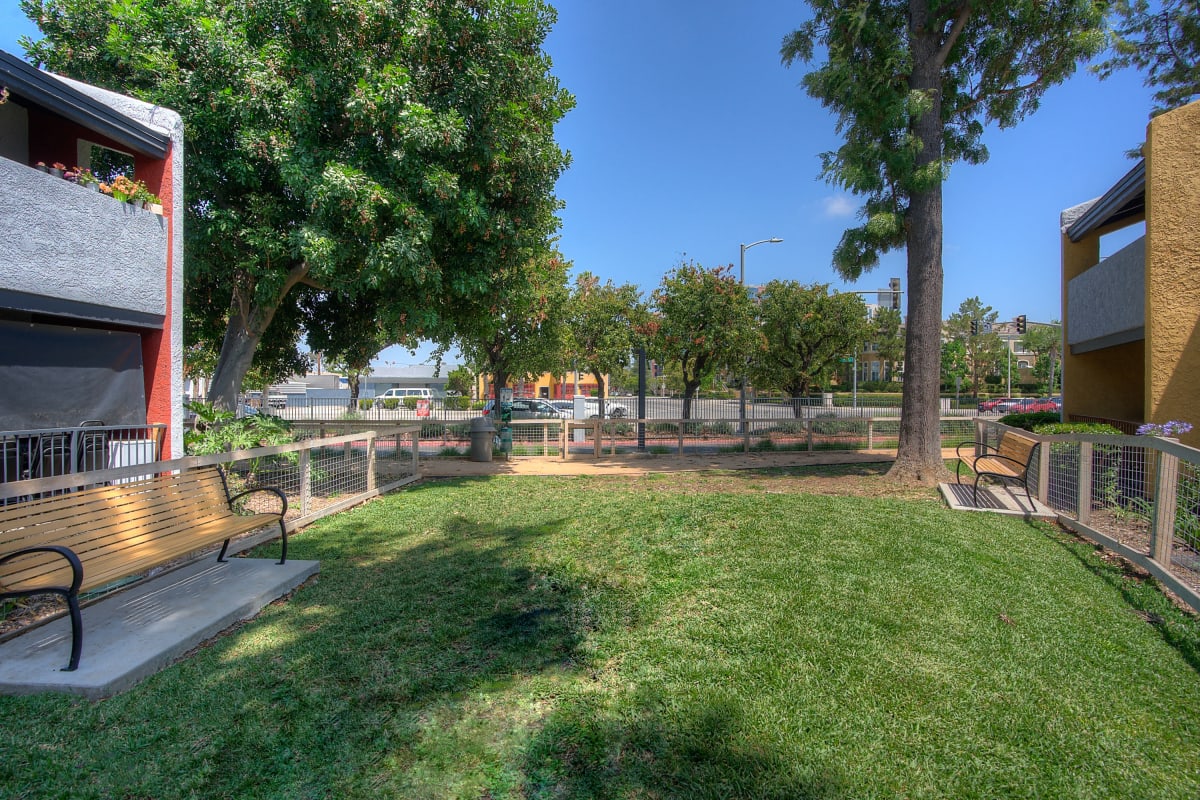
595, 638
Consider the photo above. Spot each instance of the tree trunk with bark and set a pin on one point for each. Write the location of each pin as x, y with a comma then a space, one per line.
919, 457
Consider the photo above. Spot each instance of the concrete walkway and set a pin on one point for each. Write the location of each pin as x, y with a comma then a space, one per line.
135, 633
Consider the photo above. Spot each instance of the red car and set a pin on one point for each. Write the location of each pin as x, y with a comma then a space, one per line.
1031, 405
991, 405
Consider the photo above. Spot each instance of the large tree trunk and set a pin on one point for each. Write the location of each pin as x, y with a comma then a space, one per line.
247, 322
689, 393
237, 354
919, 457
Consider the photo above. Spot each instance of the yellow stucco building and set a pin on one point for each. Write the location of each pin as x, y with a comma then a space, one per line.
1130, 321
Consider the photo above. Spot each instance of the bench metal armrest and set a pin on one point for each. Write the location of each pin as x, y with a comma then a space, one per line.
275, 490
65, 552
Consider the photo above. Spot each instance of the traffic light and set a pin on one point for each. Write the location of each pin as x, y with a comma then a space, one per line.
974, 327
894, 285
1021, 324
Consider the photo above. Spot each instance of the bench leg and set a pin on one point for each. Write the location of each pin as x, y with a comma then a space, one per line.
283, 538
76, 631
221, 556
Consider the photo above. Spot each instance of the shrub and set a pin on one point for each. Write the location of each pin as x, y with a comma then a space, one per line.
392, 403
365, 403
1053, 428
411, 403
456, 403
1030, 421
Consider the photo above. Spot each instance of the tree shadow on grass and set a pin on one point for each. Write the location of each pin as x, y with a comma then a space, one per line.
340, 689
645, 748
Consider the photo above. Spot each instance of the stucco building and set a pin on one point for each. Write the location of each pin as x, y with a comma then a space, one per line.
91, 288
1130, 321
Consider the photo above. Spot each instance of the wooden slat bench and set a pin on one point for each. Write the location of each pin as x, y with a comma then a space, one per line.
1009, 462
84, 540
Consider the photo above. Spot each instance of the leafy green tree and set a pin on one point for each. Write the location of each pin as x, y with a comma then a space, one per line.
912, 83
806, 331
886, 333
461, 379
1163, 41
603, 322
1045, 340
351, 146
522, 333
954, 363
984, 349
704, 322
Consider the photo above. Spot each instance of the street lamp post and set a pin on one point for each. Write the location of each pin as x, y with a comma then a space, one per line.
742, 282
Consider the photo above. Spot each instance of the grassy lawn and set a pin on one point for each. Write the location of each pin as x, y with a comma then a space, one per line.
778, 635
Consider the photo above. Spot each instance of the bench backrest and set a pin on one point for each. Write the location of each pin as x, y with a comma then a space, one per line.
1017, 447
98, 523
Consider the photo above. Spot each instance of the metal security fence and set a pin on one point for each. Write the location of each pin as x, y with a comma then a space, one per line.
1136, 495
596, 438
319, 475
49, 452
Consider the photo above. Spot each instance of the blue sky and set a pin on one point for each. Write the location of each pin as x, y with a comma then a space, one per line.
689, 137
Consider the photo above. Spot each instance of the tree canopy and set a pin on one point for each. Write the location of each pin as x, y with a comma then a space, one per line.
912, 84
522, 332
1163, 41
703, 321
603, 321
806, 331
405, 149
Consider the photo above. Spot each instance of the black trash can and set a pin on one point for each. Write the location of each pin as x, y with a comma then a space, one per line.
482, 434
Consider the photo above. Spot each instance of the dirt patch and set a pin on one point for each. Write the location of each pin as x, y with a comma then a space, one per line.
859, 480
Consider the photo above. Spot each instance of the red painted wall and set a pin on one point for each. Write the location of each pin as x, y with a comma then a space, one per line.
55, 139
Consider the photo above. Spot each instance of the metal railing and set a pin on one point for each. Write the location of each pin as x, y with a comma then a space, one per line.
1136, 495
50, 452
318, 475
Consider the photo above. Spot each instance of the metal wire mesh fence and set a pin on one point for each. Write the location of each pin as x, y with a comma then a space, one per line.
1139, 495
715, 436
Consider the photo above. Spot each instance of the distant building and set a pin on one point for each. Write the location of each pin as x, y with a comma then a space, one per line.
1130, 321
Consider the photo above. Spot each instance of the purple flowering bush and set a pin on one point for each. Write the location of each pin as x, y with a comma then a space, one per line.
1173, 428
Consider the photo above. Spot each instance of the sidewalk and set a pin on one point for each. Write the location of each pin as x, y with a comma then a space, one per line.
639, 464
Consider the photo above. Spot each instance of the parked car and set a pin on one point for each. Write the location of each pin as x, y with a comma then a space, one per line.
991, 405
1008, 405
399, 394
1031, 405
566, 408
611, 409
527, 408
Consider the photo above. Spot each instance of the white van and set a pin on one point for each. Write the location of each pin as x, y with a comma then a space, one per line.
399, 394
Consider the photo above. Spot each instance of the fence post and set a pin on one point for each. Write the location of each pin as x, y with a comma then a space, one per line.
680, 437
416, 450
870, 433
1044, 473
597, 432
545, 439
1083, 505
745, 436
1164, 508
808, 426
305, 480
371, 462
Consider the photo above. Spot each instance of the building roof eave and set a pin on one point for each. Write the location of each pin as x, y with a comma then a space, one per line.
1127, 198
48, 91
